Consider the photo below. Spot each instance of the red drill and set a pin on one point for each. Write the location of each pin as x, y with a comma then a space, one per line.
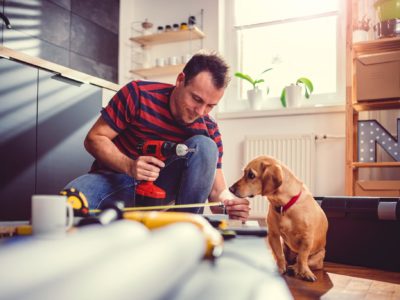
161, 150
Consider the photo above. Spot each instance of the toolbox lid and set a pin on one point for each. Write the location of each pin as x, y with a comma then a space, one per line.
375, 208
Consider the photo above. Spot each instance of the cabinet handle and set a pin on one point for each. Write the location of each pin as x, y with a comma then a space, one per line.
68, 79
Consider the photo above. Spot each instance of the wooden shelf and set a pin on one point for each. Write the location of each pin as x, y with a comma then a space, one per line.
376, 164
169, 37
159, 71
377, 105
381, 45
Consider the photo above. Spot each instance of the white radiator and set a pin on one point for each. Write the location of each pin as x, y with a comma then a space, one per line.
295, 151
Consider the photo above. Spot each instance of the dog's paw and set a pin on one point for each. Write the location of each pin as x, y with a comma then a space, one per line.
308, 276
303, 273
282, 268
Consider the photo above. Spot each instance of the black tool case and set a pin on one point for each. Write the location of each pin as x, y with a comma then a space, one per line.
363, 231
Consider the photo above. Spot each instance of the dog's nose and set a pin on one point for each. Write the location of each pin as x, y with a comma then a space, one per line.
232, 189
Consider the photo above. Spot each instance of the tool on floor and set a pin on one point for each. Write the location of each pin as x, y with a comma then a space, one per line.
162, 150
166, 207
81, 208
154, 219
78, 201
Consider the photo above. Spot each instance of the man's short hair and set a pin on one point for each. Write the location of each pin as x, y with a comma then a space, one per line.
210, 62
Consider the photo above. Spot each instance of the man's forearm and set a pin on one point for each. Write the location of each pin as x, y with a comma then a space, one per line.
104, 150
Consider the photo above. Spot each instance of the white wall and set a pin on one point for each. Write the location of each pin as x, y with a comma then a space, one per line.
161, 12
330, 154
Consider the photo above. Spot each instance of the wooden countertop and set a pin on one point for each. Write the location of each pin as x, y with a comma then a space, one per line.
53, 67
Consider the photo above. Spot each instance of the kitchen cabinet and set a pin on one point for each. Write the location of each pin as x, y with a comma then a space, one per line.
44, 118
66, 111
18, 107
165, 38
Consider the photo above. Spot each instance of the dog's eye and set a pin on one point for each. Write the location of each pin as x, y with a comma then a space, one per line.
251, 175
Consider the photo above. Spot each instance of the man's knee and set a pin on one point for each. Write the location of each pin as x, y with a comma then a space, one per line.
205, 148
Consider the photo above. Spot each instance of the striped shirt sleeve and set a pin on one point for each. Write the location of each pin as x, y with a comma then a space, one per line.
122, 107
215, 135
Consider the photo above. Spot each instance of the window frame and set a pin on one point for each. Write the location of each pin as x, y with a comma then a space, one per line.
232, 102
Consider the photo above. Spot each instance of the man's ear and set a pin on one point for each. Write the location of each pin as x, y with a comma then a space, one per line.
180, 80
271, 178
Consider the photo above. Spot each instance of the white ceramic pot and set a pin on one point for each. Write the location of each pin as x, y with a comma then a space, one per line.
255, 98
293, 95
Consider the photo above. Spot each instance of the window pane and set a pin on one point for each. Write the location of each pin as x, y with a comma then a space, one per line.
259, 11
293, 50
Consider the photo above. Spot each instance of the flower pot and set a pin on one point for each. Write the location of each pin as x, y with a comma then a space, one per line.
293, 95
255, 98
387, 9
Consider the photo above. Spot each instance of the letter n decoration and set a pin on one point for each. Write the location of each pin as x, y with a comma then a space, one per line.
370, 133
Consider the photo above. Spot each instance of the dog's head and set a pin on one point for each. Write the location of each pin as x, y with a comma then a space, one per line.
262, 176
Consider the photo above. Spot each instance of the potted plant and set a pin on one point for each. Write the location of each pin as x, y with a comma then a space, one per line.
291, 95
255, 94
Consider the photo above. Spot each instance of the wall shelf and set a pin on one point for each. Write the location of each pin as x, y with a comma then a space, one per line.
159, 71
169, 37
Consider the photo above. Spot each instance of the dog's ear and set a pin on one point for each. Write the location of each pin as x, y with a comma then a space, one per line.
272, 177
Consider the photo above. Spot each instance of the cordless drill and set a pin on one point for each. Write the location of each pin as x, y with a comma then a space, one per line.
148, 192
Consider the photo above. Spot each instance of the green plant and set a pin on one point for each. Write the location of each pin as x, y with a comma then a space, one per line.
248, 78
308, 89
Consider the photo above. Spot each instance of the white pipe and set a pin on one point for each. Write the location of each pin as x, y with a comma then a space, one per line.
27, 264
146, 270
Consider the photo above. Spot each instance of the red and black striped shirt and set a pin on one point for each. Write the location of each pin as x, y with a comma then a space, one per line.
140, 111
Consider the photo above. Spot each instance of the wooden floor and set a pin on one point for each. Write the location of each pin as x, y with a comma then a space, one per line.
344, 282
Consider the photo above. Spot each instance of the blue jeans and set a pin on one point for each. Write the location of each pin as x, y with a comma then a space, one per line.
185, 180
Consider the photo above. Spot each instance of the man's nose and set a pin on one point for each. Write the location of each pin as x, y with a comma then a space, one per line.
201, 110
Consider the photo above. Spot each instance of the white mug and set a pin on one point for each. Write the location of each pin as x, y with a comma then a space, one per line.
173, 60
49, 215
160, 62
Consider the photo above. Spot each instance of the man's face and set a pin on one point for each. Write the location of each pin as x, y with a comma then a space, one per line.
196, 99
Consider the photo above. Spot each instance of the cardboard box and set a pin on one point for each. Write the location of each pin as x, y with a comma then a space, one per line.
378, 76
378, 188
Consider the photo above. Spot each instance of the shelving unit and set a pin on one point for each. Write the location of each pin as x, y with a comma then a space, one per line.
158, 71
354, 107
164, 38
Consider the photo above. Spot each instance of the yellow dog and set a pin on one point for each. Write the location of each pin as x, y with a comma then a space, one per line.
293, 215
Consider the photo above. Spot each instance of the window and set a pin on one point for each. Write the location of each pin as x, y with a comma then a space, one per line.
296, 38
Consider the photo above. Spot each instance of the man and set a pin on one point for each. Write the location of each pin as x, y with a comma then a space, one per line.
143, 111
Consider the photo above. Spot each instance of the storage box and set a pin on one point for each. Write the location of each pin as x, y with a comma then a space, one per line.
378, 188
363, 231
378, 76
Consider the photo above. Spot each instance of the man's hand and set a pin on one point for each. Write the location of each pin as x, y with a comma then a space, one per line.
237, 208
145, 168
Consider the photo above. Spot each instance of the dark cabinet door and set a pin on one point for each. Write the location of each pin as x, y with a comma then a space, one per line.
18, 107
66, 111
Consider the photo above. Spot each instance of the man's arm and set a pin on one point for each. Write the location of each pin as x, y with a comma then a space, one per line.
236, 208
98, 143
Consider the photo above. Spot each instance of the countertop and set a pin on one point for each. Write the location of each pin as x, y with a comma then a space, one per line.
53, 67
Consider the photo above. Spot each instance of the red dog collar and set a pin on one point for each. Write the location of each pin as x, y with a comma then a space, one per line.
282, 209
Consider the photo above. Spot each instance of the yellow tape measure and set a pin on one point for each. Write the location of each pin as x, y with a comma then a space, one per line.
159, 207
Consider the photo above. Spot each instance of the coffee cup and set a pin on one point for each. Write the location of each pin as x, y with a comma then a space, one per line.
52, 215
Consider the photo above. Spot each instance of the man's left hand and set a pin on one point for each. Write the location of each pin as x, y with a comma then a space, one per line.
237, 208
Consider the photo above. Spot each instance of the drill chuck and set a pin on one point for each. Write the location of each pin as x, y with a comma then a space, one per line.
181, 150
